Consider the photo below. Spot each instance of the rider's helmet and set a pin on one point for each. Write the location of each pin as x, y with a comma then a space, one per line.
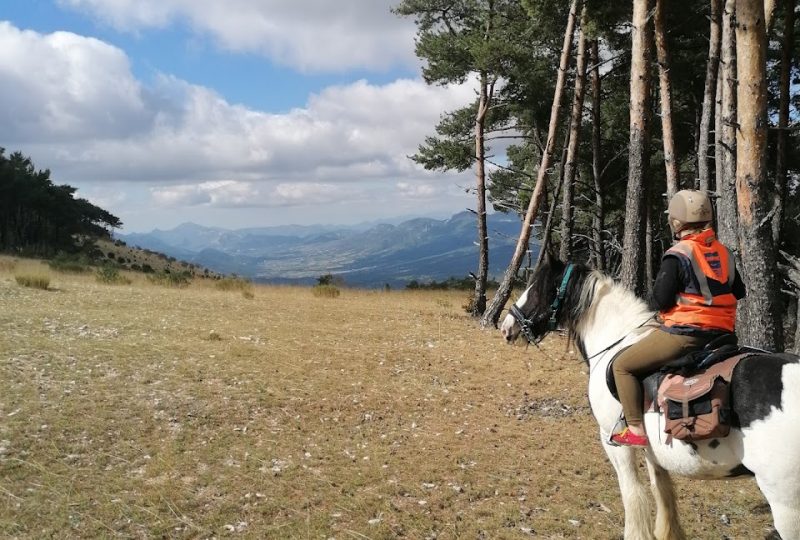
689, 209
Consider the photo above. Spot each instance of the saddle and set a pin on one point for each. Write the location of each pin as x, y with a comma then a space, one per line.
693, 391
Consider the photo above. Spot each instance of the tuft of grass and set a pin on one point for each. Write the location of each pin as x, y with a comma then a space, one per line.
7, 265
68, 264
326, 291
171, 279
34, 281
248, 294
233, 284
110, 275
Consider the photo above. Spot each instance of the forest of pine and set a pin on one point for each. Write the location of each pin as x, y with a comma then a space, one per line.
590, 114
40, 218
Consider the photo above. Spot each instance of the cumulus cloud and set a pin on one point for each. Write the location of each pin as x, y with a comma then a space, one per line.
312, 35
91, 119
232, 194
86, 116
412, 190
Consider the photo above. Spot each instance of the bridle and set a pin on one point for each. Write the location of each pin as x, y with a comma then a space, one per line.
526, 324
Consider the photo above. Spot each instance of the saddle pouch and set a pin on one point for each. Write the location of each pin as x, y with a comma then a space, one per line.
695, 411
697, 406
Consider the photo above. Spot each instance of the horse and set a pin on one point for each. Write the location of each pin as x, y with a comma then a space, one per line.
603, 318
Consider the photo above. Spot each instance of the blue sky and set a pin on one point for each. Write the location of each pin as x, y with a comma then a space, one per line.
234, 114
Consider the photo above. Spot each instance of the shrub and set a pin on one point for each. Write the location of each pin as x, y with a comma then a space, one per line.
233, 284
111, 276
7, 265
35, 281
69, 264
170, 279
325, 291
248, 294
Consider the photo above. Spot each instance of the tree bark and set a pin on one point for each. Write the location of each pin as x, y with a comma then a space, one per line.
665, 89
728, 222
783, 120
770, 7
792, 271
492, 314
576, 121
718, 169
709, 93
486, 91
761, 307
632, 266
599, 211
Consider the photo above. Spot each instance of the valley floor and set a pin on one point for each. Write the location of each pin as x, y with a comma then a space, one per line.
142, 411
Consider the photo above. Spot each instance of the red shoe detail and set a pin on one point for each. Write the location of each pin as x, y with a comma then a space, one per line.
629, 438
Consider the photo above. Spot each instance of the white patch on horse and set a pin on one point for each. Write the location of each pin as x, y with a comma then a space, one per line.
612, 318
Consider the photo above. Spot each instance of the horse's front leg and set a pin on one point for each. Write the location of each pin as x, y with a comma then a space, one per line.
668, 525
634, 493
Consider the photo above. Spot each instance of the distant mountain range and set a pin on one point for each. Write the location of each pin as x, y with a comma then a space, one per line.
419, 249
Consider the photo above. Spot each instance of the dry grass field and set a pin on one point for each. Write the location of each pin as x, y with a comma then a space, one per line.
141, 411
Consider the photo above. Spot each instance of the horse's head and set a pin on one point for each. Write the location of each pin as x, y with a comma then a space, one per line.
531, 314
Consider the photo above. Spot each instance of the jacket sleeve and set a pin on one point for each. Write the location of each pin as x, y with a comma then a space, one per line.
667, 285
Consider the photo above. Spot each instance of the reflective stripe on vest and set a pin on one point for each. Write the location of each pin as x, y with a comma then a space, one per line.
698, 305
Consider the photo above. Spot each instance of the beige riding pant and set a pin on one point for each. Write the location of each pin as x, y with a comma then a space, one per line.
644, 357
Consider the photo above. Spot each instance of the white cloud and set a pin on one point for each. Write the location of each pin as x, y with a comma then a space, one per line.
411, 190
86, 117
311, 35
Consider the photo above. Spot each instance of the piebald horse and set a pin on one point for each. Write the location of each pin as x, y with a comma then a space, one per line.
603, 317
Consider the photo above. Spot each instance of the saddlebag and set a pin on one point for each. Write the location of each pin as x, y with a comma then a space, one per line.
696, 406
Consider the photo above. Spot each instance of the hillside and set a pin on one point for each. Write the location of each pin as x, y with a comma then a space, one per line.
143, 411
420, 249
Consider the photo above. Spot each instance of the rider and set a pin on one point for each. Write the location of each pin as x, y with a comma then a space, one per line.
695, 293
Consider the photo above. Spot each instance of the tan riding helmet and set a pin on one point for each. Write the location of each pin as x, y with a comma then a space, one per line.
689, 208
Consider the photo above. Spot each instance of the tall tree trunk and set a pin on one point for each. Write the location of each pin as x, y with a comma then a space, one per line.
783, 120
728, 221
792, 271
492, 314
599, 211
761, 307
632, 267
551, 213
709, 92
486, 91
648, 252
770, 7
576, 121
718, 130
665, 89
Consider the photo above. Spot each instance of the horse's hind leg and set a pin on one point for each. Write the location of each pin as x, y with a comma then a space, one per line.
633, 491
668, 526
784, 501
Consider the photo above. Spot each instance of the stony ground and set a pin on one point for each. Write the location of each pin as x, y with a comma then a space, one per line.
139, 411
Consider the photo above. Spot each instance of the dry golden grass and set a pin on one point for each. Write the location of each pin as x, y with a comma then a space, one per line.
152, 412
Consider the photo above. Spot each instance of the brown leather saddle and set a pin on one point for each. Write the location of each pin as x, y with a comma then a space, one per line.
717, 358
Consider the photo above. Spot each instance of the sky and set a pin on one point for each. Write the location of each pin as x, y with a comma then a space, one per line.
235, 113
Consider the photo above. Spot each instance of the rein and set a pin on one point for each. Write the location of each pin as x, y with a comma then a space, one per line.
653, 316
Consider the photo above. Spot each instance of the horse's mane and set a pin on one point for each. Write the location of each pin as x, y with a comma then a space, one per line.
594, 295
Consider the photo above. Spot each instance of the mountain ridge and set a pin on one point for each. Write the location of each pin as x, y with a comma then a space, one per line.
418, 249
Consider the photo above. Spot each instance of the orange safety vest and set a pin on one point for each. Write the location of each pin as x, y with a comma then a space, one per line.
707, 302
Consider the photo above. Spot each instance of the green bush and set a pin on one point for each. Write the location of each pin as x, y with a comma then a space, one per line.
233, 284
110, 275
69, 264
326, 291
171, 279
35, 281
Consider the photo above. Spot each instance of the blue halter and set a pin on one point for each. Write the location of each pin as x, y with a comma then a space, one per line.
562, 292
526, 324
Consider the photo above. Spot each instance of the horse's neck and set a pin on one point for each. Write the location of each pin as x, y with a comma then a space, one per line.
614, 313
